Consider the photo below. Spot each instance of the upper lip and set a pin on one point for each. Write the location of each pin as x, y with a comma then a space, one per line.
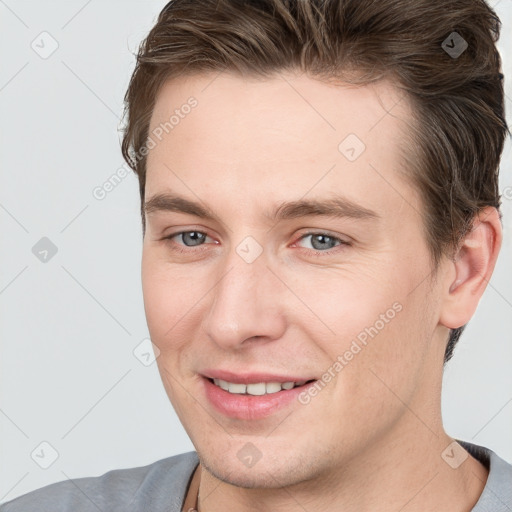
252, 377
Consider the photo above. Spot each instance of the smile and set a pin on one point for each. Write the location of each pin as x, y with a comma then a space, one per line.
253, 400
258, 388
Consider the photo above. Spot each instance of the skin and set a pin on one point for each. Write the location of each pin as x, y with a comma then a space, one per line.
372, 438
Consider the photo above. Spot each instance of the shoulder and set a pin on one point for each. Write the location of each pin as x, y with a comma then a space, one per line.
497, 493
157, 487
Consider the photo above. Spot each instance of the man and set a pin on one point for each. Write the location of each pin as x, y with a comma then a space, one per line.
320, 211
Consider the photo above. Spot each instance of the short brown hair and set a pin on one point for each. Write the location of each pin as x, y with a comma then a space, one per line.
458, 99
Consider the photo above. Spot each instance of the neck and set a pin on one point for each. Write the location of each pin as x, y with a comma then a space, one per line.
407, 470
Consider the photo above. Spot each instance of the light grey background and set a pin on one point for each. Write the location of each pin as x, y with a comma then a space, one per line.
69, 326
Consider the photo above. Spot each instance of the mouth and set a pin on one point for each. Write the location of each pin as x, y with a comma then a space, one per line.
258, 388
254, 399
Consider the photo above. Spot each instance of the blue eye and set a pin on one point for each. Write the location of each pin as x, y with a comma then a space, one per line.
321, 243
195, 237
189, 239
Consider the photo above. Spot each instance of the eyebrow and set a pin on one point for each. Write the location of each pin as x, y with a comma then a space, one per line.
337, 207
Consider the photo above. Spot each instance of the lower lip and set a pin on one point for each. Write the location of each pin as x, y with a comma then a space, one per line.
250, 407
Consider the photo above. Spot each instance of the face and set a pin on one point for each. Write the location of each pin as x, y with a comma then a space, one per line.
283, 244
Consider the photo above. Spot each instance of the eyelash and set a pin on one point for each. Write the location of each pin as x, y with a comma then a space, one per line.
315, 252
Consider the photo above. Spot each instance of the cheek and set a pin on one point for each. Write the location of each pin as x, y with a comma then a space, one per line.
394, 350
341, 305
365, 321
169, 297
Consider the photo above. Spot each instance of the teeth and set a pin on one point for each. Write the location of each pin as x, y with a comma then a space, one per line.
222, 383
237, 388
273, 387
257, 389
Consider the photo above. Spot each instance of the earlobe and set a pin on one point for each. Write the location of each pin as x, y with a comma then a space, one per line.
472, 267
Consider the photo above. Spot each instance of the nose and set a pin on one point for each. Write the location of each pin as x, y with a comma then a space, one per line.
245, 303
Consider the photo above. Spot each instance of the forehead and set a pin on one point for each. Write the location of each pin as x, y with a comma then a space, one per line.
289, 133
278, 101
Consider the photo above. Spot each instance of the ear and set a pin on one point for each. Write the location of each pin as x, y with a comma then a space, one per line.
471, 269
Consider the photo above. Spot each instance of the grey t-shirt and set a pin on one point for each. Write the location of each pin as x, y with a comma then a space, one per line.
162, 486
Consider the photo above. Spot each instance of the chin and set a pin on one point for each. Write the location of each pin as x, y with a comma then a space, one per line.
274, 472
247, 478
